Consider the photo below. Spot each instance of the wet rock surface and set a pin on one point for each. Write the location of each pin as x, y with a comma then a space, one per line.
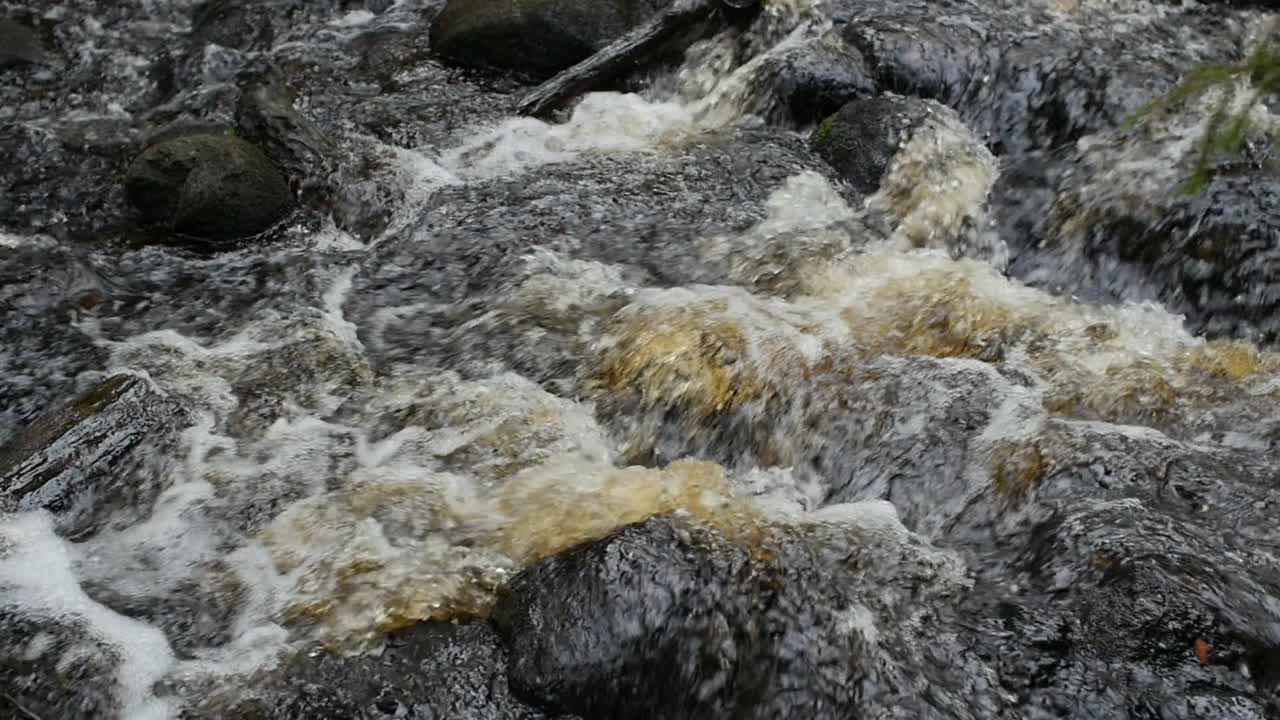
1035, 76
208, 185
861, 139
19, 45
1210, 254
659, 621
83, 461
669, 409
55, 670
535, 38
434, 670
809, 82
231, 23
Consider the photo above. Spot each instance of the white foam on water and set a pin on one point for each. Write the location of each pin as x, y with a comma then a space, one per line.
721, 78
602, 122
563, 283
36, 569
353, 18
156, 554
9, 240
334, 298
713, 90
332, 238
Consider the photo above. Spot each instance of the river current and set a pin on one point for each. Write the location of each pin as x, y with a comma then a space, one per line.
664, 303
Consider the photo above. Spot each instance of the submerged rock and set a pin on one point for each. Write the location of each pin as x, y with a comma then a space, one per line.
534, 38
477, 235
19, 45
211, 186
89, 458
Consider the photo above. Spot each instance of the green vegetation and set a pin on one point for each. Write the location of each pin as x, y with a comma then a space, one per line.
1226, 131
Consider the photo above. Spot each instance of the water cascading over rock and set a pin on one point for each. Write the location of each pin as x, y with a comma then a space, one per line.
824, 362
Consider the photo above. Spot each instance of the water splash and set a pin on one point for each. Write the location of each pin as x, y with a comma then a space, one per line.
38, 576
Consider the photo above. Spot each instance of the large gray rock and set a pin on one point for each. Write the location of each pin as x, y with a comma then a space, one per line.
533, 38
212, 186
1035, 74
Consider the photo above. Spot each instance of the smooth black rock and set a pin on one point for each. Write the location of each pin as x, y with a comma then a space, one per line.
533, 38
212, 186
808, 83
19, 45
663, 620
861, 139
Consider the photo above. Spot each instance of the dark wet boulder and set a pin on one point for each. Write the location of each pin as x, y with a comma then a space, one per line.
826, 618
19, 45
533, 38
432, 670
1121, 612
860, 140
810, 82
661, 620
92, 457
211, 186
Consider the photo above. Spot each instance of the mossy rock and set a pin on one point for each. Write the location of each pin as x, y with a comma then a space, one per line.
208, 185
861, 138
533, 38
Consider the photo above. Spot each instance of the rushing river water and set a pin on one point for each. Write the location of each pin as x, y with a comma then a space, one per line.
1031, 489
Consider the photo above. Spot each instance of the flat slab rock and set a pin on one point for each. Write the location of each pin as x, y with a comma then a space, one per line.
75, 460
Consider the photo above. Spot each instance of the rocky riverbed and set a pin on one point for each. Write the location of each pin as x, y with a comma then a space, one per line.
841, 359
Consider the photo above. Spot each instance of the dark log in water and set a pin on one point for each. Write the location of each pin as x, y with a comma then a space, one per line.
79, 448
674, 28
